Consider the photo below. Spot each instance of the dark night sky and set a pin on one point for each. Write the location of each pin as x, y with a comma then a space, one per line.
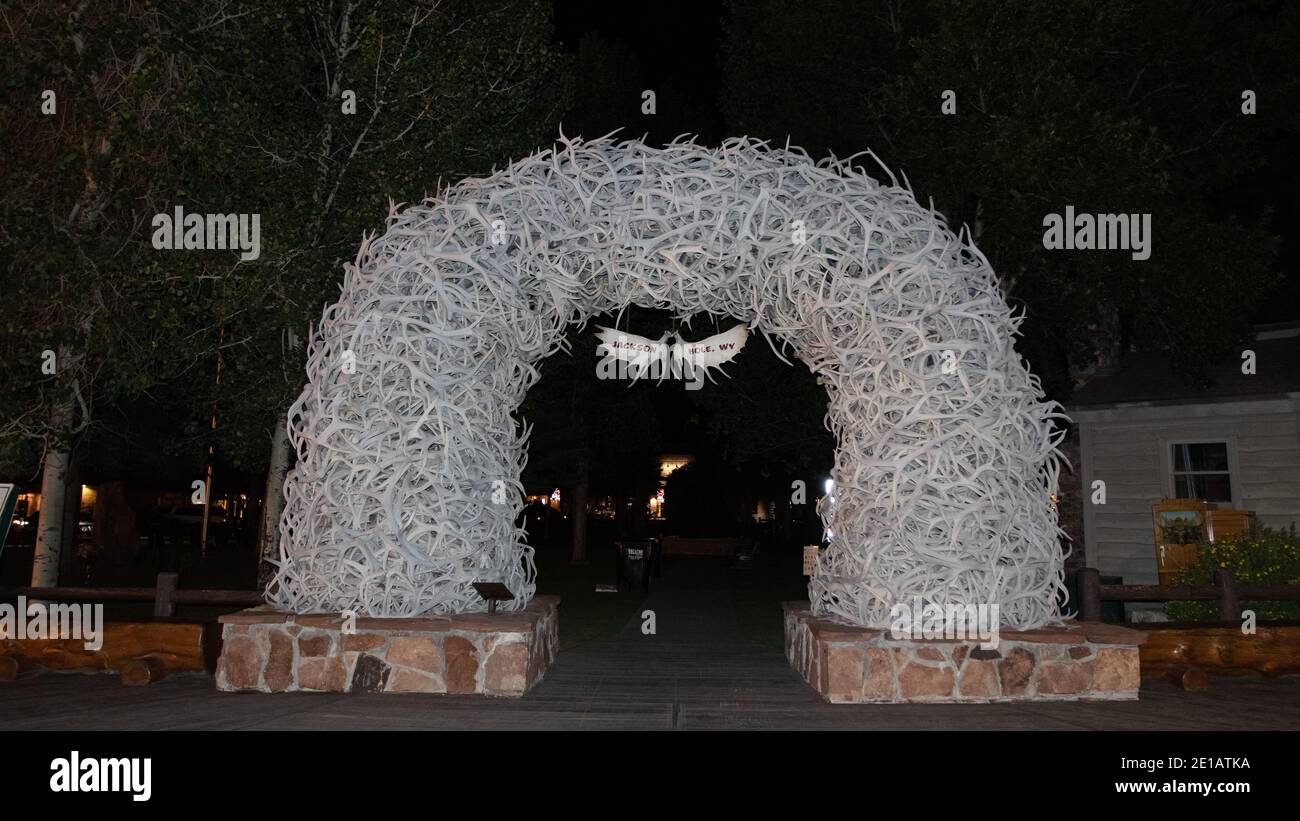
677, 47
681, 46
678, 52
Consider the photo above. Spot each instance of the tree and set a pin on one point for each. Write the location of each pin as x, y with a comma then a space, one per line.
1112, 107
768, 415
91, 313
321, 117
587, 431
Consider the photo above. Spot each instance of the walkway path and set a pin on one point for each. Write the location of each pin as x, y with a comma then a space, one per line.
694, 673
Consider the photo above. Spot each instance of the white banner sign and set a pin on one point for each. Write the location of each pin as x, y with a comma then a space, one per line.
658, 357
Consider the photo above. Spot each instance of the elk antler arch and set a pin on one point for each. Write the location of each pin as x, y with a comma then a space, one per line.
407, 489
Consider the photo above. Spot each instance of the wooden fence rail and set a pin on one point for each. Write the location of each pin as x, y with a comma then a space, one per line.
1224, 590
165, 595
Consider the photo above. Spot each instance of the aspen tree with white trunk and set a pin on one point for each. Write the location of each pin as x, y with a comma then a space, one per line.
273, 500
375, 103
89, 316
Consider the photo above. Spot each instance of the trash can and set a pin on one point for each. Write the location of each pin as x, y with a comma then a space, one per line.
636, 558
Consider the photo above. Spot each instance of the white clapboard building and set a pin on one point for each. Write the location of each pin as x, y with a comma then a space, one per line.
1149, 435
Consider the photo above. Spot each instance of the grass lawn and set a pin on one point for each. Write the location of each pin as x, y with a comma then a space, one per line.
585, 615
757, 593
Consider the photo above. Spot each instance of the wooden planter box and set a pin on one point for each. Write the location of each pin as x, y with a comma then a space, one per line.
1209, 524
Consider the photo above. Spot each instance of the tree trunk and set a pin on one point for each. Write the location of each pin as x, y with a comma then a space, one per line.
580, 514
115, 535
71, 518
49, 536
54, 488
546, 524
273, 501
620, 513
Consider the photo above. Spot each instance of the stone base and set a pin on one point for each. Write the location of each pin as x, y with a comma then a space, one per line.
270, 651
847, 664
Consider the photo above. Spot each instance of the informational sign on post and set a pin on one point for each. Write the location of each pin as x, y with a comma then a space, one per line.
8, 497
810, 558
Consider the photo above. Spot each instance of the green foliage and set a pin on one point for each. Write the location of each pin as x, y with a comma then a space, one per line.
226, 108
593, 617
77, 189
1261, 556
443, 90
1112, 107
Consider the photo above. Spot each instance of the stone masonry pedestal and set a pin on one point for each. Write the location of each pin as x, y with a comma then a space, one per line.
1078, 661
505, 654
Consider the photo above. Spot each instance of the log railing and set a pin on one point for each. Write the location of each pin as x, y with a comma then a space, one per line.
166, 594
1224, 589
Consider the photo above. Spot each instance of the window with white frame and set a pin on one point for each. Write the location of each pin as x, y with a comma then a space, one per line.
1201, 471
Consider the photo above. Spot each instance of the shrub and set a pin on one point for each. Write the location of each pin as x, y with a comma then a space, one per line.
1262, 555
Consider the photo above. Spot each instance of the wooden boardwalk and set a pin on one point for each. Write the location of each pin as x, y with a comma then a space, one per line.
693, 674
